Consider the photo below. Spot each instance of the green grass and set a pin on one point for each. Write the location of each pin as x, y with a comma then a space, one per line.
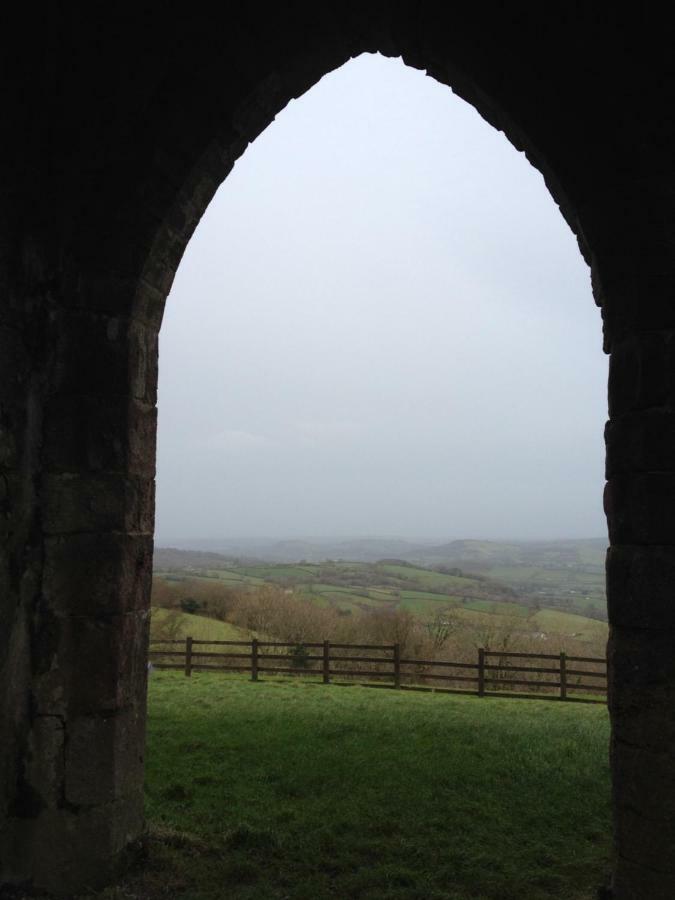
427, 595
281, 570
501, 609
350, 586
428, 606
356, 593
475, 612
556, 624
296, 791
427, 578
583, 586
204, 629
568, 623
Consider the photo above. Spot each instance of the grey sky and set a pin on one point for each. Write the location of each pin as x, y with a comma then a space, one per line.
382, 326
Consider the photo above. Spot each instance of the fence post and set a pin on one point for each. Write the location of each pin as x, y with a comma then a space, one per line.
481, 672
326, 662
188, 657
563, 675
397, 665
254, 659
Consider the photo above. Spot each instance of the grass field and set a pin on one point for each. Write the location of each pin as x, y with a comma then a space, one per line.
474, 613
359, 586
502, 609
449, 583
584, 586
567, 623
202, 628
294, 791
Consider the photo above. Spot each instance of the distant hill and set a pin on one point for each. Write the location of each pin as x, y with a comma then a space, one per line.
589, 551
547, 572
297, 550
565, 573
172, 558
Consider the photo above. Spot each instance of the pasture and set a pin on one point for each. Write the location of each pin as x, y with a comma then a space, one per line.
476, 602
285, 790
200, 627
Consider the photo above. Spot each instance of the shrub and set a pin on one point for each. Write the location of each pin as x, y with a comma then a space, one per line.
189, 604
299, 656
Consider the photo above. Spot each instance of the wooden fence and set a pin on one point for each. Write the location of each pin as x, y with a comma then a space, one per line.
494, 673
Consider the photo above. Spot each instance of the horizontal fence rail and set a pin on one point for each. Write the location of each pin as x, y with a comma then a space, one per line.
495, 673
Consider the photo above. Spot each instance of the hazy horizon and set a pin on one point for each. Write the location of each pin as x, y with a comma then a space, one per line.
346, 538
382, 327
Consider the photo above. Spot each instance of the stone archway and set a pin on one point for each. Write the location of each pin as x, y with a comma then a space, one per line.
133, 125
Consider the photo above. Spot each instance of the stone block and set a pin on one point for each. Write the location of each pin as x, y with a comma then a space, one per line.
149, 302
640, 368
103, 662
97, 502
640, 587
640, 442
633, 881
107, 355
8, 446
143, 357
641, 667
93, 666
44, 768
113, 434
104, 757
637, 292
49, 689
91, 350
98, 574
115, 295
646, 783
646, 840
15, 497
71, 852
15, 360
640, 509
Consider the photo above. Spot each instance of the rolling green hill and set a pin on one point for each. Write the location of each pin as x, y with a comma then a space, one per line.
565, 574
352, 585
524, 598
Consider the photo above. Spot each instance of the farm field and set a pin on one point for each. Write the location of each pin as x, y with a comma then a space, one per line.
284, 790
352, 586
567, 573
553, 621
480, 616
583, 585
547, 621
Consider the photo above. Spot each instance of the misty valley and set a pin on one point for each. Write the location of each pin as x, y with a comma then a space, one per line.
433, 599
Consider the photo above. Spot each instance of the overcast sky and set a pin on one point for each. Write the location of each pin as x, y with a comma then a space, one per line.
382, 327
